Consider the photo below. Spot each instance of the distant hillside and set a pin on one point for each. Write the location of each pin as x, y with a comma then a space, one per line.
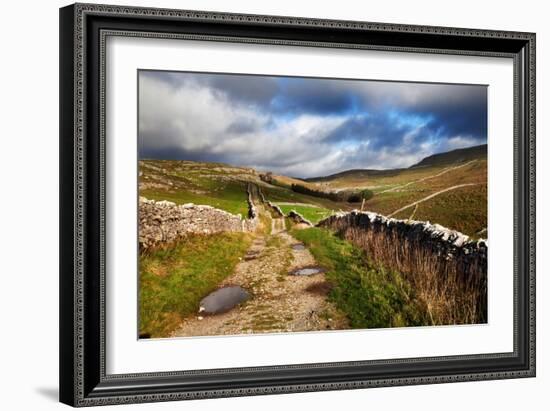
455, 156
357, 173
449, 157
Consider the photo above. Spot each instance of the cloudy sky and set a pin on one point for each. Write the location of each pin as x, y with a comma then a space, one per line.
304, 127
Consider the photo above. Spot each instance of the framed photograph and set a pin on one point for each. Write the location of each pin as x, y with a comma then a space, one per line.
261, 204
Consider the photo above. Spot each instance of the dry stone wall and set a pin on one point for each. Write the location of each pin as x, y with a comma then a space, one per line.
297, 218
252, 211
275, 208
163, 222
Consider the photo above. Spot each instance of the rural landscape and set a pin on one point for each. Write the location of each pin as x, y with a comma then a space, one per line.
238, 246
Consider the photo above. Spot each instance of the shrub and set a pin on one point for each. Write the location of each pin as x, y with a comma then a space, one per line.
367, 194
357, 196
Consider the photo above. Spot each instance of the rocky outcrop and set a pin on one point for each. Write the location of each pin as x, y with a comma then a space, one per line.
163, 222
437, 260
297, 218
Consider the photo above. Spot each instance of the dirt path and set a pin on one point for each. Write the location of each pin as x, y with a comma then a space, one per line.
444, 171
278, 302
430, 197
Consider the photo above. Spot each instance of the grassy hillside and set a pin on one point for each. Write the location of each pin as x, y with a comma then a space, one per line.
411, 187
462, 172
463, 209
218, 185
441, 160
356, 174
181, 182
455, 156
449, 189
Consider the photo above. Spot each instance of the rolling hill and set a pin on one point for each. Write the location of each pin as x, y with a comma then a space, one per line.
455, 156
439, 159
356, 173
446, 188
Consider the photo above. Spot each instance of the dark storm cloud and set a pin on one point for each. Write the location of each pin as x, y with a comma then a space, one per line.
454, 109
303, 126
313, 96
466, 115
248, 89
257, 90
380, 130
415, 113
243, 126
178, 153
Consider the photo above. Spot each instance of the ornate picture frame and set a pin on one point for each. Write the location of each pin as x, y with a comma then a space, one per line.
84, 30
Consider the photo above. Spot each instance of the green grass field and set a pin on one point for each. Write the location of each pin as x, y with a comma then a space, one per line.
313, 214
172, 281
199, 183
370, 295
230, 197
279, 194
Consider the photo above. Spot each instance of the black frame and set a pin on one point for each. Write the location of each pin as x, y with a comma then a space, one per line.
83, 30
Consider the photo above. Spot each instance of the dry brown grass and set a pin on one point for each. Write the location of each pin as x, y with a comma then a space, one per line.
451, 282
463, 209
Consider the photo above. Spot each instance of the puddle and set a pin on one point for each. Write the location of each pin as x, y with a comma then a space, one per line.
298, 247
308, 270
222, 300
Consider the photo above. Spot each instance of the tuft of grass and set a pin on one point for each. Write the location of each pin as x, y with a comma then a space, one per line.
274, 242
370, 295
172, 281
265, 224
